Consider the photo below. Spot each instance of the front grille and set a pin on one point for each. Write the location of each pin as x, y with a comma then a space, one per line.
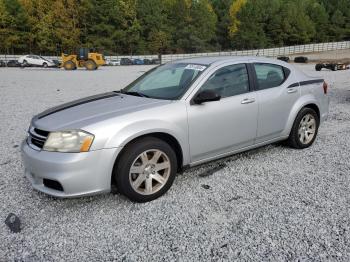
41, 132
37, 137
53, 184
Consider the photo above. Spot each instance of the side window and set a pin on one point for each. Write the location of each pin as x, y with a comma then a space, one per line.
269, 75
229, 81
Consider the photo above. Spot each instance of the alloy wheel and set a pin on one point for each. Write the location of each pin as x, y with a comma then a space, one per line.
149, 172
307, 129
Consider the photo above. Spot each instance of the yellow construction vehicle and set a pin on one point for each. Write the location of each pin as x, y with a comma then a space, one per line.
83, 58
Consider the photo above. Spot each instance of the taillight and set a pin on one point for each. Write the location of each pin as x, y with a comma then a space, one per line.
325, 87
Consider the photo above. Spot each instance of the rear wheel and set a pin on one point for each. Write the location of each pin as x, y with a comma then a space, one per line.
90, 65
25, 63
69, 65
304, 130
146, 169
335, 68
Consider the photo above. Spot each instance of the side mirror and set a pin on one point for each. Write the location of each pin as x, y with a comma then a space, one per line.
206, 96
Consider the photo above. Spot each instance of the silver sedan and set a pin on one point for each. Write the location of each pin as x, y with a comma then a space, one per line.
175, 116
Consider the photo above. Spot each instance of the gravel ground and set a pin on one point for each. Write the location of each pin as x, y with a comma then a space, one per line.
269, 204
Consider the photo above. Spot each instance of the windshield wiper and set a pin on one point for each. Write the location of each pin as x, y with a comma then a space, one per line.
133, 93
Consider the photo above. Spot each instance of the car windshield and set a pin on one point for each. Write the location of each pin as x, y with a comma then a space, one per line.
168, 81
43, 58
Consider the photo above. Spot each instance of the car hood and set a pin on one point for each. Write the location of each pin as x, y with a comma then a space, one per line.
90, 110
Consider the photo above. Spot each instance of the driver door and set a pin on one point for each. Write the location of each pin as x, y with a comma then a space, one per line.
220, 127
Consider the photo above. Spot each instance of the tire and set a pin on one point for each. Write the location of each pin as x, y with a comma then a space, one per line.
142, 186
301, 59
90, 65
335, 68
45, 65
318, 67
284, 58
25, 63
297, 137
69, 65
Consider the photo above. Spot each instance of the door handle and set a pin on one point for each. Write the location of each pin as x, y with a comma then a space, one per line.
292, 90
248, 101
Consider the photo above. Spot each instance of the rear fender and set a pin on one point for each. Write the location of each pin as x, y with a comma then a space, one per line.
301, 102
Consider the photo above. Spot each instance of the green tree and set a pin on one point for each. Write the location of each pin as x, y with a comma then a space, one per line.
193, 25
247, 24
221, 8
112, 26
265, 23
235, 8
155, 30
297, 25
4, 30
320, 18
101, 27
165, 26
338, 20
158, 42
130, 26
68, 23
13, 25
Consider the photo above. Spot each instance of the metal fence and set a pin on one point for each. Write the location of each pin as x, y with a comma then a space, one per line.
269, 52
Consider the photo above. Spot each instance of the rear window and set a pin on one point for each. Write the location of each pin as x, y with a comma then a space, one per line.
270, 75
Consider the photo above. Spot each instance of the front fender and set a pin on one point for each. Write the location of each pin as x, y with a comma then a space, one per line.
144, 127
301, 102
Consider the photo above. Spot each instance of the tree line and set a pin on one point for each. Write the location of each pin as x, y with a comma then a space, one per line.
168, 26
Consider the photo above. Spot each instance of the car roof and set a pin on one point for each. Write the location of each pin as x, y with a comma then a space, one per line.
209, 60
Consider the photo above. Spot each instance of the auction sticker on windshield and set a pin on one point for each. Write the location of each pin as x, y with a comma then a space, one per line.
196, 67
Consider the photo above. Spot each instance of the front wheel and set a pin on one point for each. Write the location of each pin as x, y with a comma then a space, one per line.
304, 130
90, 65
45, 65
146, 169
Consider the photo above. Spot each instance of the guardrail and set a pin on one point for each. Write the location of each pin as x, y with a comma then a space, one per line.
268, 52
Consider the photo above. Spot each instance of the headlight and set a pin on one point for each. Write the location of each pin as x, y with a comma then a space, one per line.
74, 141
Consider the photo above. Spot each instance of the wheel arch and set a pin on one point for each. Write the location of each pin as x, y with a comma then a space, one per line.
314, 107
308, 102
166, 137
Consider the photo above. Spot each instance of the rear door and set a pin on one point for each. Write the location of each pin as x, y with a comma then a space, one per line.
223, 126
276, 96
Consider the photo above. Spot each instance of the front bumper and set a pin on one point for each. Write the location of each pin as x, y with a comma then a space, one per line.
79, 174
